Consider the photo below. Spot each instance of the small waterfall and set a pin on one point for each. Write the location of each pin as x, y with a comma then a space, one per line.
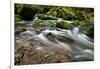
80, 43
30, 32
80, 46
43, 39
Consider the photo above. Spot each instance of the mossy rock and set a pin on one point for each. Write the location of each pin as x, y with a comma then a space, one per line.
43, 23
17, 18
63, 25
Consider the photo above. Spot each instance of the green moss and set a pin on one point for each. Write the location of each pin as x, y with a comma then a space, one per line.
17, 18
82, 17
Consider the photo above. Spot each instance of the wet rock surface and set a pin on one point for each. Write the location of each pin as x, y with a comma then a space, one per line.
30, 51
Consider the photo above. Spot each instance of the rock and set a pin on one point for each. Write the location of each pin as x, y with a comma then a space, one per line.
26, 53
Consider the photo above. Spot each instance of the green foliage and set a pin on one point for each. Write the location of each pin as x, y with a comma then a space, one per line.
82, 17
62, 12
17, 18
27, 11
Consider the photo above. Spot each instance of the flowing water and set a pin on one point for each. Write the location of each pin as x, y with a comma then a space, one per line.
79, 46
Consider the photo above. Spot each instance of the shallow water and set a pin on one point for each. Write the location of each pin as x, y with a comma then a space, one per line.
77, 46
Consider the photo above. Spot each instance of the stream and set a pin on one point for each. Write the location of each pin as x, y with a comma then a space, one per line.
78, 46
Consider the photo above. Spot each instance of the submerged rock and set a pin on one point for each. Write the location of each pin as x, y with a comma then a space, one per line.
33, 52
